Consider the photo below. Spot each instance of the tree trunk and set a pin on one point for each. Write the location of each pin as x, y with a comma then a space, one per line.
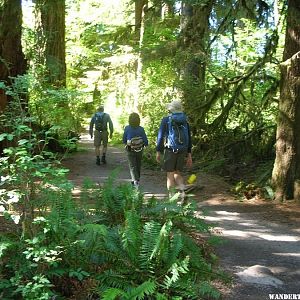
138, 10
286, 171
52, 14
12, 59
193, 41
140, 7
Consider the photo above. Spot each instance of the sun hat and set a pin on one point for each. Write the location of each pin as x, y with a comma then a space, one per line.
174, 106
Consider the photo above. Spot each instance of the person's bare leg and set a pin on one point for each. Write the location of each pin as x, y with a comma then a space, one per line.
180, 183
179, 180
97, 150
171, 183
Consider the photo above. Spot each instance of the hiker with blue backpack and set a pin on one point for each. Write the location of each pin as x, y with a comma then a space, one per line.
174, 142
101, 121
134, 139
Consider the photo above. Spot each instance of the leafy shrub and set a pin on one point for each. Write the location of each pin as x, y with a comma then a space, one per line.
126, 247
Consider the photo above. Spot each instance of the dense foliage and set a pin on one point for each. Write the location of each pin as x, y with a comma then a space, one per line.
219, 57
112, 243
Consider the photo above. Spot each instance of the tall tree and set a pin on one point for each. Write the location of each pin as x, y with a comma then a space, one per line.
286, 171
52, 17
12, 59
140, 7
193, 42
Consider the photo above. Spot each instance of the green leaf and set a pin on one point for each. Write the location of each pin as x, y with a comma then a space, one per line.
23, 142
111, 294
10, 137
4, 246
146, 288
3, 136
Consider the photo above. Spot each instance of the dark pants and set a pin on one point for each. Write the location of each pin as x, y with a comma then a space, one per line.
173, 161
135, 164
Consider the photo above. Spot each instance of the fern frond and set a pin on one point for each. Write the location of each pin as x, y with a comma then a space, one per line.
112, 294
96, 229
147, 288
176, 246
207, 289
178, 268
162, 241
151, 232
131, 235
192, 249
119, 279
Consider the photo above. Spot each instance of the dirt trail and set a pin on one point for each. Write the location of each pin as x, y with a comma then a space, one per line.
261, 246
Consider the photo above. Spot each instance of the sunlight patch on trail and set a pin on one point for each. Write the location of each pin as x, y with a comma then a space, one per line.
279, 238
287, 254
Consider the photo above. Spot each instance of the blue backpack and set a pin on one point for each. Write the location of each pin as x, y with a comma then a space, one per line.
178, 137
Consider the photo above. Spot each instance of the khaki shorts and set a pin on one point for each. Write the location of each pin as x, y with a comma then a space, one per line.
173, 161
100, 137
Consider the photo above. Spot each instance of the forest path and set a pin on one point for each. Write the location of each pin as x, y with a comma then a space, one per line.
261, 246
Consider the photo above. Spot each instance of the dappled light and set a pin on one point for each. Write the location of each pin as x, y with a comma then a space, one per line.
149, 149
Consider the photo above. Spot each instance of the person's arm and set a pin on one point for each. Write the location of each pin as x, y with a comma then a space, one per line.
144, 136
92, 122
161, 136
111, 127
160, 139
124, 140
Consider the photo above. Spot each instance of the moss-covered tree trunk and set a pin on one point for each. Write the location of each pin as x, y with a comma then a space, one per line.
52, 14
193, 42
286, 171
140, 7
12, 59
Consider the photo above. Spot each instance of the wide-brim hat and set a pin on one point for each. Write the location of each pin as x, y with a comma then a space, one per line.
174, 106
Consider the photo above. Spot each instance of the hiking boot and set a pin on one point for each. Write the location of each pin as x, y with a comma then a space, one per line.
103, 160
98, 161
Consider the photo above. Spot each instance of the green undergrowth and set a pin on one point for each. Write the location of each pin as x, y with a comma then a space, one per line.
122, 247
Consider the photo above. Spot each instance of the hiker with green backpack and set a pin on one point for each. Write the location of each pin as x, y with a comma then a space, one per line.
134, 139
174, 142
101, 121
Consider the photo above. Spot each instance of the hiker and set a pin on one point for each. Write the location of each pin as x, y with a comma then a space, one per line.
174, 141
100, 120
134, 139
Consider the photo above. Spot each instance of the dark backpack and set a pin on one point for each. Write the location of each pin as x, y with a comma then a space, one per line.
99, 121
178, 137
136, 144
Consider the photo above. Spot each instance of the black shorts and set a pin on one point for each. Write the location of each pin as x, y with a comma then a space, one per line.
173, 161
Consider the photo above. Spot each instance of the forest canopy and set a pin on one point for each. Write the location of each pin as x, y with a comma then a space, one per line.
233, 64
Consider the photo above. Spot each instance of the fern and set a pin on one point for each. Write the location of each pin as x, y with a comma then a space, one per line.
162, 242
151, 233
147, 288
176, 269
112, 294
176, 246
197, 260
119, 278
206, 289
131, 236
